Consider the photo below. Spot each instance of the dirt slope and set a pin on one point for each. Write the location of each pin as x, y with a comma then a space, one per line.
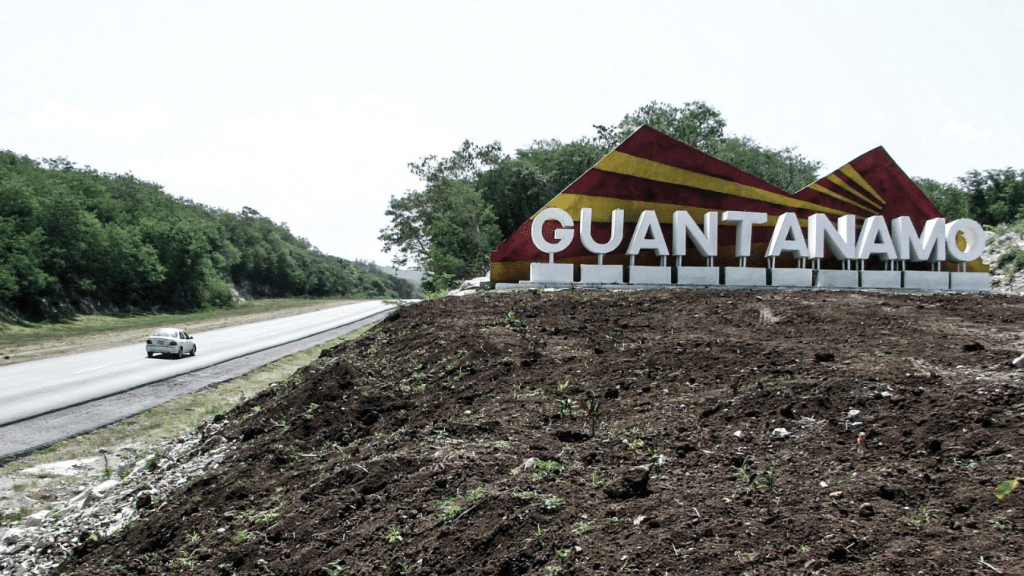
443, 443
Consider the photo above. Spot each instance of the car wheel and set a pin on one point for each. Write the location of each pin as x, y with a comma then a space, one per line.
193, 352
149, 354
181, 353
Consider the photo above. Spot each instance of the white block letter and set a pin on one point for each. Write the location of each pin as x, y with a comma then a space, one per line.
842, 242
875, 239
930, 245
683, 228
744, 223
973, 233
647, 235
563, 235
787, 237
587, 238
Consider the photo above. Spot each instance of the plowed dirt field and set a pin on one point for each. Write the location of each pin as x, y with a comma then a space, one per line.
592, 432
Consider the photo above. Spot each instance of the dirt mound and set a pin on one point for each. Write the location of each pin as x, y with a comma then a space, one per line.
587, 432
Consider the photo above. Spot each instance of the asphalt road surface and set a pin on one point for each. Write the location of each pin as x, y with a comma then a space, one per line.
45, 401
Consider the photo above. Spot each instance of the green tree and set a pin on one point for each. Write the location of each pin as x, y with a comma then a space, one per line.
782, 167
517, 187
447, 228
694, 123
994, 196
703, 127
950, 199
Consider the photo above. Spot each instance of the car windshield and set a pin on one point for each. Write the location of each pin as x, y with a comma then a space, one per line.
166, 333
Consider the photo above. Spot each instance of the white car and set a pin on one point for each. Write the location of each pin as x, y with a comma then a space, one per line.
170, 341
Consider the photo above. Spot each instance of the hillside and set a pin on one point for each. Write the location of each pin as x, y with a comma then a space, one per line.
78, 241
729, 432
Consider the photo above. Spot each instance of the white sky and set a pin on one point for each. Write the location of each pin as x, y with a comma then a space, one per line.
310, 111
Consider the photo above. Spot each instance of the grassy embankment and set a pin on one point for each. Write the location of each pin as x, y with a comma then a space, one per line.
164, 422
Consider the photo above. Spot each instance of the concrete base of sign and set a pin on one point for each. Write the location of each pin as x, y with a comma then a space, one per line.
600, 274
736, 276
698, 276
881, 279
801, 277
925, 280
543, 272
969, 282
650, 275
837, 279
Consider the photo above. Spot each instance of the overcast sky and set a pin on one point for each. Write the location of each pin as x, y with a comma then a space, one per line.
309, 111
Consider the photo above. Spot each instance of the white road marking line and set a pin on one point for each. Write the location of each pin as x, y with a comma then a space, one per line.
90, 369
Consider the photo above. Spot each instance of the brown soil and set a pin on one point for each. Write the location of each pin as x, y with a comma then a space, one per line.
440, 443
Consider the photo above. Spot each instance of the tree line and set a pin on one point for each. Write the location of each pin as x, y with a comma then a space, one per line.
74, 239
480, 194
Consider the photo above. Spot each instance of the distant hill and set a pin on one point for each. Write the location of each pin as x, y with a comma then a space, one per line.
414, 276
74, 240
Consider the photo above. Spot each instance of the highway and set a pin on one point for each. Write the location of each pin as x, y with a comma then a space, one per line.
30, 389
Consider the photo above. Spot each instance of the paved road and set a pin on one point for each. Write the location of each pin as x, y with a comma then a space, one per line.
30, 389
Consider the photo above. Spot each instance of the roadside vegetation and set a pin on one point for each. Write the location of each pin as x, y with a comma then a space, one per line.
139, 434
75, 240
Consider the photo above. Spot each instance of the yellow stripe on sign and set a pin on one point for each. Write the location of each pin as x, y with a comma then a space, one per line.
856, 177
819, 188
602, 207
839, 182
622, 163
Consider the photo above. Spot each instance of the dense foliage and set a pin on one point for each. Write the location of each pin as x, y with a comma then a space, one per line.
74, 239
991, 197
479, 195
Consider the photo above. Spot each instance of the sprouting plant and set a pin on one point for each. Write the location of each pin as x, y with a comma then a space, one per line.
192, 538
1000, 522
333, 570
546, 469
736, 386
749, 479
562, 387
635, 445
565, 407
552, 502
655, 453
612, 335
1007, 488
241, 536
476, 494
183, 561
592, 408
308, 414
582, 527
152, 462
768, 481
393, 534
450, 510
266, 516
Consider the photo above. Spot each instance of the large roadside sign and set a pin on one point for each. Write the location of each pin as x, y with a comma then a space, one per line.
657, 212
